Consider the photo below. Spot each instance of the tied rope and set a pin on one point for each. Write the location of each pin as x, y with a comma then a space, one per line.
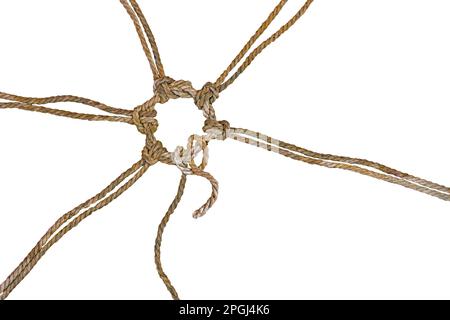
143, 117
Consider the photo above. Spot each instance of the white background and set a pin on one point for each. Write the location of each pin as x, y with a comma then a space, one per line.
359, 78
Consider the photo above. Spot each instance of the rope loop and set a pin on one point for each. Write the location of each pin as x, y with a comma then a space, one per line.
184, 158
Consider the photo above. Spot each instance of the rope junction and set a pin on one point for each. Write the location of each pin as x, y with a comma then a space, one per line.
143, 117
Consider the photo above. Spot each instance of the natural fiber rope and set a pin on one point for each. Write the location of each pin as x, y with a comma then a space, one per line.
159, 237
220, 83
331, 161
144, 118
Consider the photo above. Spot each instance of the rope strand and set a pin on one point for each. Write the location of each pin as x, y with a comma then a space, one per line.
159, 237
63, 113
150, 37
220, 83
250, 43
346, 163
70, 220
137, 17
66, 98
34, 104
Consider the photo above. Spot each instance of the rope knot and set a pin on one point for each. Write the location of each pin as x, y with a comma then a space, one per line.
167, 88
162, 88
153, 152
184, 158
144, 118
217, 129
204, 99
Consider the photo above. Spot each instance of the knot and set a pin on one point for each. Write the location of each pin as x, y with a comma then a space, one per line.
184, 158
167, 88
153, 152
144, 118
161, 88
217, 129
204, 99
207, 94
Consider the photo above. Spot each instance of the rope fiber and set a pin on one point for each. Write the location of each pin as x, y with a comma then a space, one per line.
143, 117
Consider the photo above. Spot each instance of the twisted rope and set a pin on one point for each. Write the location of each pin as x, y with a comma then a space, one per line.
159, 236
143, 117
357, 165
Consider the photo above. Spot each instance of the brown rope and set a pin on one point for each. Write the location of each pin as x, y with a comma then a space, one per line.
140, 22
70, 220
62, 113
150, 37
143, 117
66, 98
159, 237
346, 163
220, 83
250, 43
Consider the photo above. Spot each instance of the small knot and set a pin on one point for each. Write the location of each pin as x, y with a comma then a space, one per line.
204, 99
184, 158
144, 118
208, 93
218, 129
153, 152
166, 88
162, 88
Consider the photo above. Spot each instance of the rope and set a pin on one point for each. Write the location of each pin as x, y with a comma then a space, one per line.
159, 237
140, 22
346, 163
220, 83
70, 220
143, 117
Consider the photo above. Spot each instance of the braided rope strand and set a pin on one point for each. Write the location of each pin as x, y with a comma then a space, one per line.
65, 98
68, 221
159, 237
150, 37
137, 24
264, 45
250, 42
63, 113
346, 163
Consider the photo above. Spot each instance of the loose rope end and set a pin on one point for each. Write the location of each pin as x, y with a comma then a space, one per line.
198, 214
